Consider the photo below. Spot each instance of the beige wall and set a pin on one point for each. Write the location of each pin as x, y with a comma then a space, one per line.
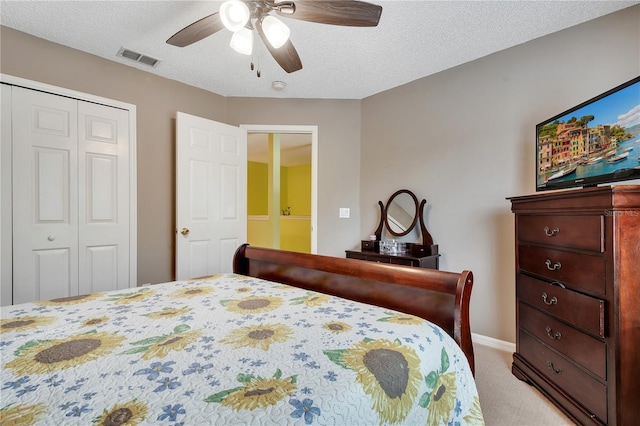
464, 139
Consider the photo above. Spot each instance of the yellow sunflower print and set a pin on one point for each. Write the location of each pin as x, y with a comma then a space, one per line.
475, 418
127, 414
388, 372
253, 304
15, 415
244, 289
337, 327
168, 313
191, 292
398, 318
173, 342
60, 354
257, 392
24, 323
127, 298
92, 322
316, 299
71, 300
205, 278
443, 399
258, 336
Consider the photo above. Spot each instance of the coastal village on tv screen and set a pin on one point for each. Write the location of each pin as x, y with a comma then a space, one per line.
576, 146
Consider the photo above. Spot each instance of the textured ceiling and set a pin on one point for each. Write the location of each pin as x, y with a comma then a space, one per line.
414, 39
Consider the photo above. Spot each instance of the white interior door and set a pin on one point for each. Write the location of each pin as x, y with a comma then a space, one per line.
211, 195
45, 196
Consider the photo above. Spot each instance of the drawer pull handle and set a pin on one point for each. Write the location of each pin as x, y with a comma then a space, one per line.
555, 336
556, 266
555, 370
553, 300
550, 233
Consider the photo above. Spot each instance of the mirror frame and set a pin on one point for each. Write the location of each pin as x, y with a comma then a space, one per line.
427, 239
415, 214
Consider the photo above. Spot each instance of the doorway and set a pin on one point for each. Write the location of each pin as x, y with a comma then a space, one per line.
282, 187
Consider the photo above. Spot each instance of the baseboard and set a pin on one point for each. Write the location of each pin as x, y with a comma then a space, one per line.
493, 343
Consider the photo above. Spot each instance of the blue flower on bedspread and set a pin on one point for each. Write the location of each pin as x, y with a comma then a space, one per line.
197, 368
77, 411
153, 372
304, 408
167, 383
170, 412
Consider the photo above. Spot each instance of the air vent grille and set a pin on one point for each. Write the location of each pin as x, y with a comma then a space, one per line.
138, 57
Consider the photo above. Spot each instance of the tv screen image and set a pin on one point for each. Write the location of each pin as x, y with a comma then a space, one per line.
595, 142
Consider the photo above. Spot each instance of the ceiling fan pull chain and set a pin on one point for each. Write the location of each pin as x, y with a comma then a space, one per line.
258, 51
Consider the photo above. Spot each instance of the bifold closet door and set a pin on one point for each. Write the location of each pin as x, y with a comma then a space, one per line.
70, 197
103, 198
45, 196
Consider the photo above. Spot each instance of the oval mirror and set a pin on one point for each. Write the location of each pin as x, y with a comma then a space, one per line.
401, 212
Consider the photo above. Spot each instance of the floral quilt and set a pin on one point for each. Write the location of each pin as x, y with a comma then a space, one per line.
227, 350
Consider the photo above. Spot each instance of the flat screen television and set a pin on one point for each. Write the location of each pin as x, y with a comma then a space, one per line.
595, 142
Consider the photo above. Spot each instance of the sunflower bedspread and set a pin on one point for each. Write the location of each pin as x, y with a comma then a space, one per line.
228, 350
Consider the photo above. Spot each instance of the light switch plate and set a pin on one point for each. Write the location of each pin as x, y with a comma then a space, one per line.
345, 212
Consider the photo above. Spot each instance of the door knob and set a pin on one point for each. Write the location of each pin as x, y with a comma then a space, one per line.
185, 231
51, 238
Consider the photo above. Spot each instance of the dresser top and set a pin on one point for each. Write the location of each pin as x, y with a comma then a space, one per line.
622, 197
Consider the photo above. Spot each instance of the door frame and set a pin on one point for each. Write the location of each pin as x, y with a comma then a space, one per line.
6, 259
313, 131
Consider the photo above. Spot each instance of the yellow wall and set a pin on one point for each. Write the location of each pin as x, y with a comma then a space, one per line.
295, 233
295, 192
257, 191
298, 192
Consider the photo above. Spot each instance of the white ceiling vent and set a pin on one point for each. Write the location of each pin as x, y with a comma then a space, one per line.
138, 57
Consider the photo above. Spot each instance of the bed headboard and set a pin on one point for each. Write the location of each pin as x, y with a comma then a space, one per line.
437, 296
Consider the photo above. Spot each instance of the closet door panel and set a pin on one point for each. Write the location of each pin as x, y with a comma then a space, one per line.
45, 196
104, 223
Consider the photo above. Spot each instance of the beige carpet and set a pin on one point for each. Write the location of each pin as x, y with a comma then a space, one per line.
507, 401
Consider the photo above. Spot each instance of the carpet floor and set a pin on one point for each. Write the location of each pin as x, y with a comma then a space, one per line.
507, 401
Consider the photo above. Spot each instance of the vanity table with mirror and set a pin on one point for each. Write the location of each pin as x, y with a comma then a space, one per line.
401, 237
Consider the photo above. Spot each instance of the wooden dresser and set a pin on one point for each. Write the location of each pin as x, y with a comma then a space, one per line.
578, 300
418, 256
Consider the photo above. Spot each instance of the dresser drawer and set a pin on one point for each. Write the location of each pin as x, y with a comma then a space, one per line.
575, 270
359, 256
584, 312
571, 231
584, 389
589, 352
399, 261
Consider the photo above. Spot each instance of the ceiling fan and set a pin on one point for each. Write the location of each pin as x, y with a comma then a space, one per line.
242, 17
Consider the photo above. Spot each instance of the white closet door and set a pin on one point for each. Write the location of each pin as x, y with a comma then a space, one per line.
45, 196
103, 198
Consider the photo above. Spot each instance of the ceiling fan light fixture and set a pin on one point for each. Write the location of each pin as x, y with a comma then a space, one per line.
242, 41
234, 14
276, 32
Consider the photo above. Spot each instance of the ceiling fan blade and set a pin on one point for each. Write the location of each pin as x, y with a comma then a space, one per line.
344, 12
197, 31
286, 55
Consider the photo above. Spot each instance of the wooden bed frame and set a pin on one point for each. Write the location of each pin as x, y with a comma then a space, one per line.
437, 296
